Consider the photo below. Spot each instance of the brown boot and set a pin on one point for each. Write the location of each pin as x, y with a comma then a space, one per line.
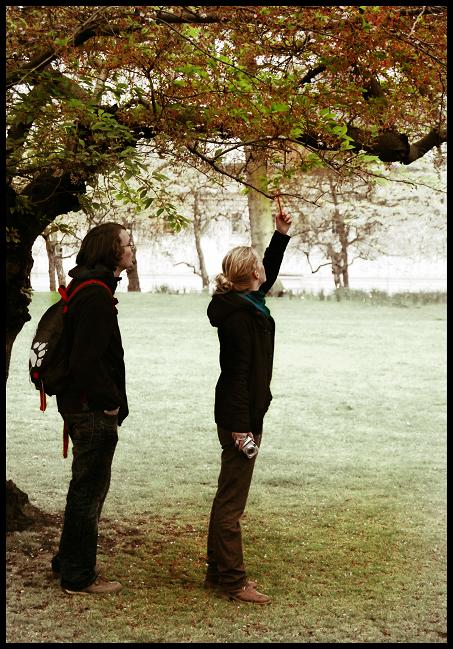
249, 594
213, 584
100, 586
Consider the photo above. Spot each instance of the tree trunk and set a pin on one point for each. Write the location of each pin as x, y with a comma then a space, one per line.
50, 249
55, 260
261, 217
340, 230
18, 267
345, 273
61, 275
24, 224
197, 235
335, 265
133, 280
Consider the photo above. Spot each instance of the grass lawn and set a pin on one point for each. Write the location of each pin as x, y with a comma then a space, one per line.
345, 524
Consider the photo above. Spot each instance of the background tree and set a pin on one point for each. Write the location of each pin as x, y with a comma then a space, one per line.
342, 228
55, 258
202, 202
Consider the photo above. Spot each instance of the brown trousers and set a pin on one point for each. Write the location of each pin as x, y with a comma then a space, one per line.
225, 557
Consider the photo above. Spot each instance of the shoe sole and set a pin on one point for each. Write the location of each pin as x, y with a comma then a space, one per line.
248, 601
87, 592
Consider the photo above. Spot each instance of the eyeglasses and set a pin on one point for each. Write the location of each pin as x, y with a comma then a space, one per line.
131, 246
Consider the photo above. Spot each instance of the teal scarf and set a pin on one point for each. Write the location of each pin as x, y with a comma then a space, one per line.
257, 299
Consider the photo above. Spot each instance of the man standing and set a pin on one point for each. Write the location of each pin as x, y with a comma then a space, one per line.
94, 402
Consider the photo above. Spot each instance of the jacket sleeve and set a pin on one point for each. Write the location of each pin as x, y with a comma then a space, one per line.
234, 391
273, 257
94, 322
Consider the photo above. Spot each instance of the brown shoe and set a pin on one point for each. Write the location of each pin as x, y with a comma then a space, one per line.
100, 586
212, 584
249, 594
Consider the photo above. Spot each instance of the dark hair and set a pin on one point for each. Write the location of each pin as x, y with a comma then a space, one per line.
101, 245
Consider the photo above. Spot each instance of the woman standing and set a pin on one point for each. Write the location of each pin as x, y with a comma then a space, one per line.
246, 335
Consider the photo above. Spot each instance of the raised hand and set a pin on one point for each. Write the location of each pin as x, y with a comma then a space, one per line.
282, 222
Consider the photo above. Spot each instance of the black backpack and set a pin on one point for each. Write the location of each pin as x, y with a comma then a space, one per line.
48, 362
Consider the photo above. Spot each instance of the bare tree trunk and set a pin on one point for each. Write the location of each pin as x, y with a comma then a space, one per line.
260, 208
61, 275
340, 230
335, 265
133, 281
197, 235
342, 257
55, 261
345, 273
19, 261
50, 249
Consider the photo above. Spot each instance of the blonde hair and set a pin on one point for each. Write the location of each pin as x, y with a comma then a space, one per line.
237, 267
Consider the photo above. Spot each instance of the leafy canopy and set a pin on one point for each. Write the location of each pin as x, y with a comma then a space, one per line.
86, 84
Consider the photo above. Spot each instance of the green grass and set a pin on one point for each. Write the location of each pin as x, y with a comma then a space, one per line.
345, 523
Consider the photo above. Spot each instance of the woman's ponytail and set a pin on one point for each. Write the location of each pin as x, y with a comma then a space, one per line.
223, 284
237, 268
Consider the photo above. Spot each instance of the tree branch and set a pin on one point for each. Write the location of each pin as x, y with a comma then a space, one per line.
389, 146
311, 74
99, 25
185, 263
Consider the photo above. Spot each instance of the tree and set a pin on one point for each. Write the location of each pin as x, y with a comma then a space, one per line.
401, 214
86, 85
202, 202
90, 89
342, 228
54, 255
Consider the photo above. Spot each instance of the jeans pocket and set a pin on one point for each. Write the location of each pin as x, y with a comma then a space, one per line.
81, 426
106, 427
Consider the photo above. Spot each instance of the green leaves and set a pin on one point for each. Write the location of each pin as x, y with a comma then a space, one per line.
63, 42
369, 159
240, 113
279, 108
175, 220
192, 32
191, 70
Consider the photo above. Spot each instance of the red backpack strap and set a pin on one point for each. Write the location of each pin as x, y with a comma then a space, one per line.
64, 293
87, 283
65, 439
42, 397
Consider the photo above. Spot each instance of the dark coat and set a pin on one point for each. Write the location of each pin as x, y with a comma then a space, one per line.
246, 339
96, 358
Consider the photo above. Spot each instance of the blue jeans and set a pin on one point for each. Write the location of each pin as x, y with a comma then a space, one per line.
94, 436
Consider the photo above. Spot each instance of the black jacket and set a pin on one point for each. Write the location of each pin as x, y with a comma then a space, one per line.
246, 339
96, 358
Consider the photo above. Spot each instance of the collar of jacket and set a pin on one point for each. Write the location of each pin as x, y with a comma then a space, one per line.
257, 299
101, 272
222, 305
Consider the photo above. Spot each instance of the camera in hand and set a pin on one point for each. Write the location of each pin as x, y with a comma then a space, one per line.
249, 447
